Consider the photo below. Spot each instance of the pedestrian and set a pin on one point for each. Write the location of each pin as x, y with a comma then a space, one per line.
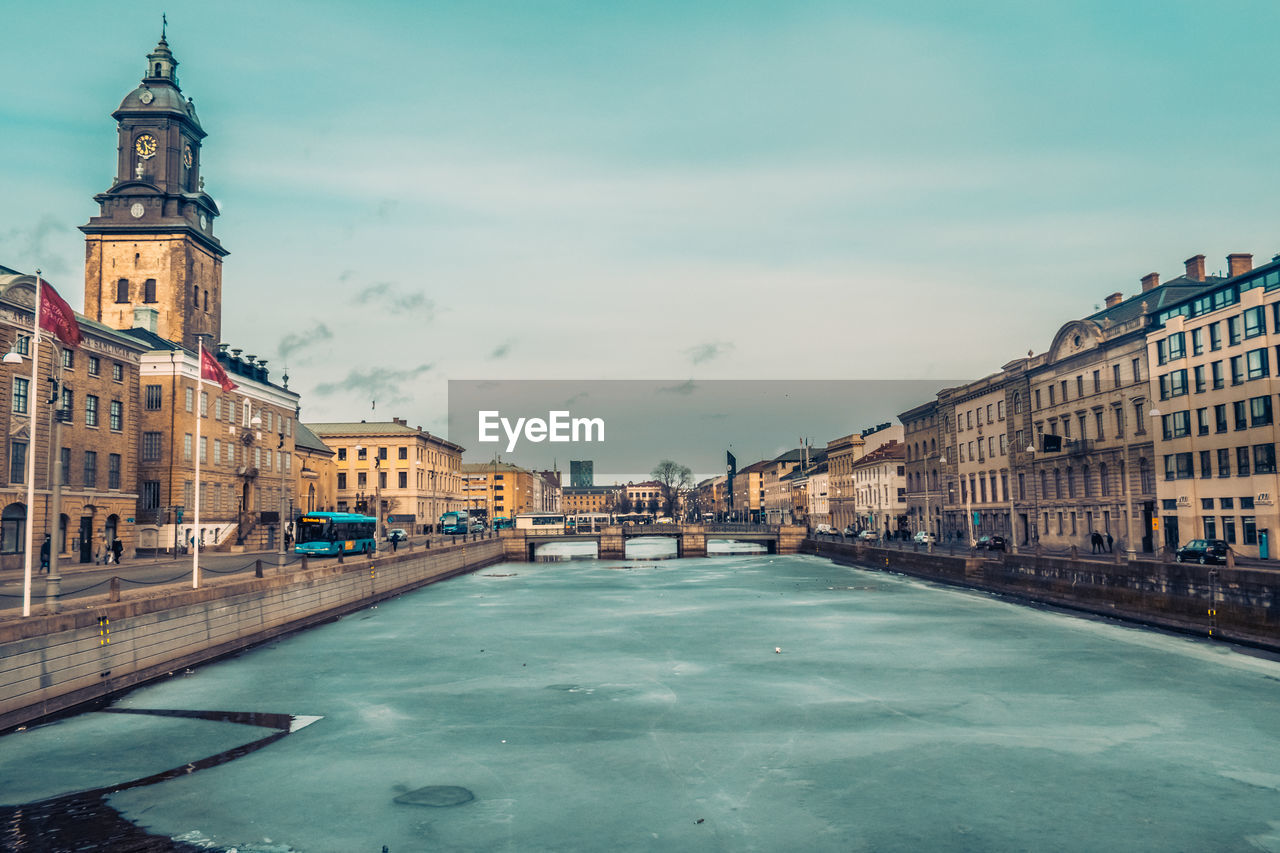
1096, 539
44, 554
117, 548
1110, 542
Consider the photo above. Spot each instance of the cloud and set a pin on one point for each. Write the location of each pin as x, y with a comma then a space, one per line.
389, 385
385, 294
706, 352
292, 343
684, 388
35, 244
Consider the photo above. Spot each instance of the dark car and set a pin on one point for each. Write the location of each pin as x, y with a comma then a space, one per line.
1202, 551
990, 543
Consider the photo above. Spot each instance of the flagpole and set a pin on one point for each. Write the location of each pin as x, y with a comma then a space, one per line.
195, 532
31, 453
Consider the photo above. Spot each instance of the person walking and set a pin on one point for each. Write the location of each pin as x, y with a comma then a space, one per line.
1110, 542
117, 548
44, 555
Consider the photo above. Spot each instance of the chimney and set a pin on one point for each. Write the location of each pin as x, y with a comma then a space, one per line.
1195, 268
1114, 299
146, 318
1150, 281
1238, 264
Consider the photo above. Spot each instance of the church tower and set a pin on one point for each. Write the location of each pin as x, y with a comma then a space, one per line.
151, 246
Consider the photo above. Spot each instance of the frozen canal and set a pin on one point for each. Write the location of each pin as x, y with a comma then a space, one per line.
731, 703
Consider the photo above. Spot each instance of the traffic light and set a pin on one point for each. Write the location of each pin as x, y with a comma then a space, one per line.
177, 513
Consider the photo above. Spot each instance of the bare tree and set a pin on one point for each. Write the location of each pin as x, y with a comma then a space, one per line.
671, 477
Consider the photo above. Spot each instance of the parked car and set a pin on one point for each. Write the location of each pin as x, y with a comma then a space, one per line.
869, 535
924, 537
850, 531
1202, 551
826, 530
397, 534
990, 543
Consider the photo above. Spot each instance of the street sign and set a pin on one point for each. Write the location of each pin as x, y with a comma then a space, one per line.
128, 521
1155, 524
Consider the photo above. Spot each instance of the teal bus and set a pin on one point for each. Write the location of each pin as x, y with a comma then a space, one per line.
454, 523
332, 533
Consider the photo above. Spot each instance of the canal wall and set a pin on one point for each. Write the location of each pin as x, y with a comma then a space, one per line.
1236, 604
53, 663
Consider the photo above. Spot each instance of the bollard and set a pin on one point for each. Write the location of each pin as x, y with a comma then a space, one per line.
1075, 553
52, 592
428, 543
115, 588
339, 553
304, 563
257, 568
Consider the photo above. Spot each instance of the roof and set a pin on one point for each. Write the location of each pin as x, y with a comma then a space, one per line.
492, 467
1157, 299
305, 439
889, 452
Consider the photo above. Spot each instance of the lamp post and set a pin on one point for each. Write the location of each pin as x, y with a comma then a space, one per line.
928, 519
1156, 413
1033, 532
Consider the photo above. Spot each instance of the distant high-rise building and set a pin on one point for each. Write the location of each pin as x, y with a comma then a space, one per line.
582, 474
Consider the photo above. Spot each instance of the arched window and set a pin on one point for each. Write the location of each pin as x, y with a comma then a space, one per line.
1057, 483
157, 74
1087, 477
122, 290
206, 300
1144, 476
1104, 483
195, 296
149, 290
13, 529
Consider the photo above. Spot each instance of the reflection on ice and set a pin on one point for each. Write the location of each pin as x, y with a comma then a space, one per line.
732, 546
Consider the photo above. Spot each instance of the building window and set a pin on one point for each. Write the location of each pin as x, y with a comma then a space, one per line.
382, 479
150, 494
362, 453
342, 480
342, 454
404, 453
1137, 370
91, 411
190, 399
204, 404
362, 480
1240, 409
1177, 466
1233, 330
1206, 464
1264, 459
1198, 378
1242, 462
1229, 529
68, 358
404, 479
1257, 364
1176, 425
186, 447
90, 469
66, 466
1260, 410
1248, 529
151, 447
18, 462
1255, 322
154, 398
1224, 462
117, 415
1197, 340
94, 365
20, 395
204, 449
117, 372
1216, 369
113, 471
122, 291
382, 453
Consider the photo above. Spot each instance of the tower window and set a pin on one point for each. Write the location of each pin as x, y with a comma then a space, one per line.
195, 296
157, 69
149, 290
122, 290
206, 300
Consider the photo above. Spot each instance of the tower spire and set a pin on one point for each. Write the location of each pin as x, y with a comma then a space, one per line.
164, 25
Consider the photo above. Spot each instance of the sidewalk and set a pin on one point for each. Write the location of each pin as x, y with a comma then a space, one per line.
70, 568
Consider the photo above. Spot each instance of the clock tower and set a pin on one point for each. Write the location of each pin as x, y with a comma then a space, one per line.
152, 243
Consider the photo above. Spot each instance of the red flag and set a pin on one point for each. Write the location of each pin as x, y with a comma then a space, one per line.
56, 316
211, 370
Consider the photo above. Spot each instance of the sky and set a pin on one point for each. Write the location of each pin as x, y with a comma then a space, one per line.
419, 192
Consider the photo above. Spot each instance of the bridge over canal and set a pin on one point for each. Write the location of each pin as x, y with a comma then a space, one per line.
691, 539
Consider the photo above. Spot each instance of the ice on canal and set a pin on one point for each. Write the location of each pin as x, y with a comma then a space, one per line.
730, 703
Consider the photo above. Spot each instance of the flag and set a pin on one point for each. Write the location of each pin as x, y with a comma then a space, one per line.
56, 316
211, 370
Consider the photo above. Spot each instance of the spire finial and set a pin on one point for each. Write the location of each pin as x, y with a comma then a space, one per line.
164, 25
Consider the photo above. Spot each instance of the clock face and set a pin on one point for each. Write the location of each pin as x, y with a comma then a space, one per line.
204, 223
145, 146
137, 210
146, 97
187, 159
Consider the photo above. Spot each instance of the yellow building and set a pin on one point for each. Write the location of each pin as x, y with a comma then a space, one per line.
501, 490
317, 472
403, 475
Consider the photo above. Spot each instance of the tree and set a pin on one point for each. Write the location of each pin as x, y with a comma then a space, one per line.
671, 478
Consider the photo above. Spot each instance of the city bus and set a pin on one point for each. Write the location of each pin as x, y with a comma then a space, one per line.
589, 522
541, 522
336, 533
456, 522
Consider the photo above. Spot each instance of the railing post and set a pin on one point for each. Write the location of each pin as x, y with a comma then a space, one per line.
304, 563
257, 568
115, 588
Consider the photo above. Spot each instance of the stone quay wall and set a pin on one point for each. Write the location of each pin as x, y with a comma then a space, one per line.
1236, 604
95, 647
